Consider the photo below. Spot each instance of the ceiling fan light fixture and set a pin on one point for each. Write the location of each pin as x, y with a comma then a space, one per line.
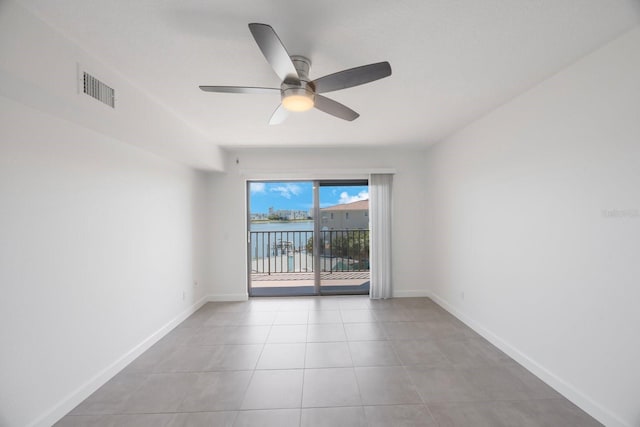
297, 99
297, 91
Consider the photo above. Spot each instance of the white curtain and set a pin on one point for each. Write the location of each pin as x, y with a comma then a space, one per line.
380, 235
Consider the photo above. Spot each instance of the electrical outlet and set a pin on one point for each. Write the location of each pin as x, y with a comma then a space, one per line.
462, 295
184, 295
195, 283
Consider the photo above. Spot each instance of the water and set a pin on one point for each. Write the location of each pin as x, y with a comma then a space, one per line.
282, 226
280, 232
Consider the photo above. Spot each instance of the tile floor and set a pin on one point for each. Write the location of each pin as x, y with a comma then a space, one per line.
325, 361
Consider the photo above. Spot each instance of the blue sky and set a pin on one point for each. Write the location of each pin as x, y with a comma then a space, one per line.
299, 195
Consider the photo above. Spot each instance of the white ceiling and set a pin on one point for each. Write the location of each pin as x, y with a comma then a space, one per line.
452, 60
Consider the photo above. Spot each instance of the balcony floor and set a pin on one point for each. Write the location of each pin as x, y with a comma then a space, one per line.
279, 280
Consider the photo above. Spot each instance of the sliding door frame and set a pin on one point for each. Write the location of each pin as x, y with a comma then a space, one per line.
316, 237
316, 184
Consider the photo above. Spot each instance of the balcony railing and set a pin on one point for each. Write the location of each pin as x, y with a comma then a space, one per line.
292, 251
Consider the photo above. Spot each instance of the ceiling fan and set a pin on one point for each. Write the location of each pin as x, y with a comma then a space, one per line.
297, 92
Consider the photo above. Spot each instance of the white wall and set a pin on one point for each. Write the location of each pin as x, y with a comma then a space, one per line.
98, 238
522, 247
39, 68
98, 241
228, 207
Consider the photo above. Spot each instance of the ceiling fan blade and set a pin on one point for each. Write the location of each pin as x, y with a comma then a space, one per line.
279, 115
352, 77
274, 51
334, 108
239, 89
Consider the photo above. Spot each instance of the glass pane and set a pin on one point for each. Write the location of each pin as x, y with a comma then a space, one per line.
281, 238
344, 238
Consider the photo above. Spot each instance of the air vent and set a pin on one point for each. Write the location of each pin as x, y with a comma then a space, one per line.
98, 90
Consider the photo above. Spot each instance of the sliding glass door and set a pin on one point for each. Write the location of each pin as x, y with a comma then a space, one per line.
307, 237
343, 223
280, 243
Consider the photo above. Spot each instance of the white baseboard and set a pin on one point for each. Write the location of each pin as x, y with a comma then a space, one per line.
244, 297
227, 297
561, 386
414, 293
81, 393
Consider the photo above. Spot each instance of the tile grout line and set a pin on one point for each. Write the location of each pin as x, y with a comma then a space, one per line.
304, 371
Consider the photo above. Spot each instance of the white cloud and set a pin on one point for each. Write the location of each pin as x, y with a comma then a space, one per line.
287, 190
346, 198
257, 187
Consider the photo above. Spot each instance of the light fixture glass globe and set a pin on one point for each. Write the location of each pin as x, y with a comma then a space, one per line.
297, 99
297, 103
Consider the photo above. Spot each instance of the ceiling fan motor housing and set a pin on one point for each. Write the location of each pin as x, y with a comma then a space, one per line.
298, 95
